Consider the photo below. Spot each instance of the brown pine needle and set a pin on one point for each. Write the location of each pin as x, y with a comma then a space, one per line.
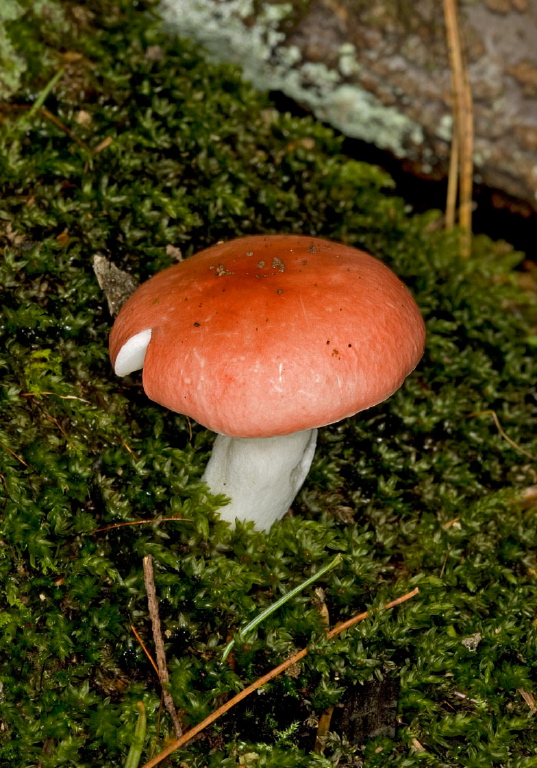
262, 681
13, 453
143, 522
453, 180
529, 699
44, 112
126, 445
500, 429
102, 145
325, 719
467, 167
57, 424
73, 397
144, 649
62, 397
463, 130
417, 746
58, 123
361, 616
189, 428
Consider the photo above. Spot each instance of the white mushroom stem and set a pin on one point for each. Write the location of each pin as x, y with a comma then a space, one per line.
260, 475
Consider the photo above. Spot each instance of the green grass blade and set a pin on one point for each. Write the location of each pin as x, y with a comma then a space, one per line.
44, 93
283, 599
137, 745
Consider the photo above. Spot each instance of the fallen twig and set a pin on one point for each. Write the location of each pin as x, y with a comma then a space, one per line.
262, 681
159, 643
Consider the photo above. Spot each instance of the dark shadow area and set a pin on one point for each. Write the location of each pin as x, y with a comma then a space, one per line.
367, 710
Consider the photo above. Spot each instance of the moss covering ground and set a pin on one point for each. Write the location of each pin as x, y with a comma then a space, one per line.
164, 150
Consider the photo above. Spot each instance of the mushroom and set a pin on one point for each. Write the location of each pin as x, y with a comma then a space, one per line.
264, 339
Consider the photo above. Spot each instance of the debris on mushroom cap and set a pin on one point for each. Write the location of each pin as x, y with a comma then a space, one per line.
267, 335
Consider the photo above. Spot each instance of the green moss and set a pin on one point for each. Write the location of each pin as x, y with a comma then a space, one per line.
421, 490
33, 36
11, 65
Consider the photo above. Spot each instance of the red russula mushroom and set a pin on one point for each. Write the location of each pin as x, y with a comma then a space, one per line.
263, 339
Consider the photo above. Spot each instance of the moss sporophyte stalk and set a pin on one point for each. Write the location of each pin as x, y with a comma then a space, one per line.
419, 491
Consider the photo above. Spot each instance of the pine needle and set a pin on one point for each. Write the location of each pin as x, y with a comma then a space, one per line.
461, 161
153, 521
502, 432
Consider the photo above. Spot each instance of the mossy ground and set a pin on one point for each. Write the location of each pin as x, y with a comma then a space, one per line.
164, 150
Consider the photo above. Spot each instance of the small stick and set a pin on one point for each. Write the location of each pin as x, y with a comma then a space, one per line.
159, 643
58, 123
467, 168
261, 681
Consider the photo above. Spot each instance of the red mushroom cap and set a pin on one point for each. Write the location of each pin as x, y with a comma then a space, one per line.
272, 334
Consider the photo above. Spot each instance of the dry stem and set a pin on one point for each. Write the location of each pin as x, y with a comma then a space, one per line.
159, 643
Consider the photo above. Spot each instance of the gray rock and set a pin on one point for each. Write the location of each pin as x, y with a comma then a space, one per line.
378, 71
